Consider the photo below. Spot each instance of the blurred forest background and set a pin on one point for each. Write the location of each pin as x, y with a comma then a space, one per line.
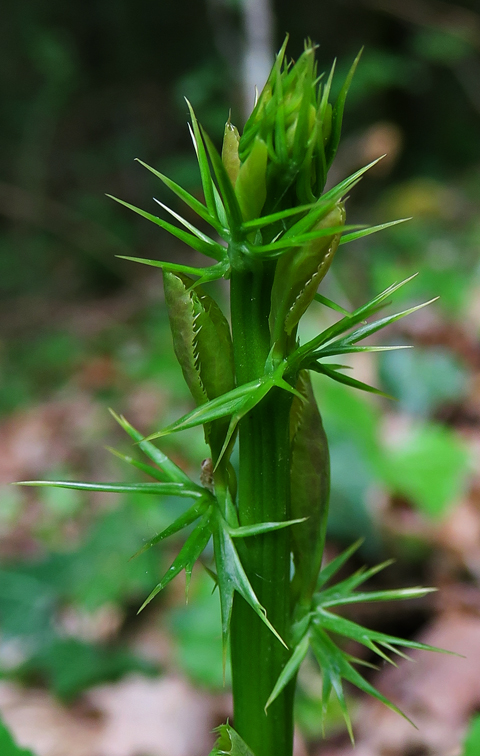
86, 88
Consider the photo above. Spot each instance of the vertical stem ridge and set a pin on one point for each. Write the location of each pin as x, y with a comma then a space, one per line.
264, 495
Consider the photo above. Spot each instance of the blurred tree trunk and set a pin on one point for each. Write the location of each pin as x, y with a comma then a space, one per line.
259, 26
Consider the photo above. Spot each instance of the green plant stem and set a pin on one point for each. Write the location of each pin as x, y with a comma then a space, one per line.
264, 495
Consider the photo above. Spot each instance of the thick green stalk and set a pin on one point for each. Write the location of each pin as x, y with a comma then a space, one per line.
264, 495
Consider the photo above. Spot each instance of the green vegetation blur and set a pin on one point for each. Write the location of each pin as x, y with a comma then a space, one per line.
86, 88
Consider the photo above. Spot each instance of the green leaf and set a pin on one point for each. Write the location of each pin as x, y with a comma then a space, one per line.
154, 472
290, 669
227, 191
188, 555
231, 577
472, 741
161, 489
207, 274
371, 328
353, 581
346, 379
207, 181
189, 199
267, 220
263, 527
335, 665
310, 486
201, 339
392, 595
337, 115
330, 351
195, 231
8, 747
276, 249
185, 519
171, 470
222, 406
336, 564
345, 324
370, 638
230, 743
371, 230
209, 248
332, 305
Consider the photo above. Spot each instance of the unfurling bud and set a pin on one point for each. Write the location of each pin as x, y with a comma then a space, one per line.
201, 338
230, 159
298, 274
310, 487
251, 186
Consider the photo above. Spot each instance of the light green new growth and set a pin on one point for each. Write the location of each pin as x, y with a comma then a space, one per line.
274, 233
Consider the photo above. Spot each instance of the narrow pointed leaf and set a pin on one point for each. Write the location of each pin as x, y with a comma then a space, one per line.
347, 323
371, 230
209, 273
267, 220
345, 587
347, 380
290, 669
262, 527
336, 564
231, 575
349, 629
210, 248
332, 305
193, 229
207, 181
173, 472
188, 555
162, 489
181, 522
333, 350
329, 655
393, 595
286, 242
337, 115
189, 199
154, 472
371, 328
222, 406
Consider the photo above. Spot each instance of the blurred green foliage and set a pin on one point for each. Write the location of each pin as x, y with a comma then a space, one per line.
8, 747
85, 91
472, 741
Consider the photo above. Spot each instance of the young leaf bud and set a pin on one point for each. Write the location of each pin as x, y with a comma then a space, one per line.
251, 184
230, 159
299, 272
310, 487
201, 338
